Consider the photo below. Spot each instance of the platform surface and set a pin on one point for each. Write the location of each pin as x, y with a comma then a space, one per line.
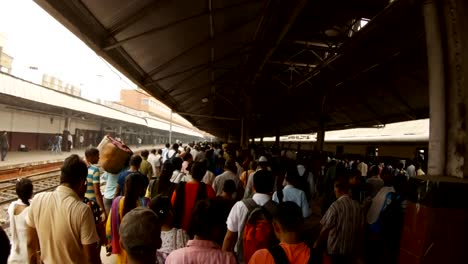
15, 159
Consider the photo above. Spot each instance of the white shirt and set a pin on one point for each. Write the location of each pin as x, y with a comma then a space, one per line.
219, 181
208, 178
153, 160
63, 224
81, 139
362, 167
164, 151
411, 171
238, 214
70, 137
170, 153
292, 194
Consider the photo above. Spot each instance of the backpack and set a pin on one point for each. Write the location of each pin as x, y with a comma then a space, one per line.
171, 158
258, 229
390, 218
280, 257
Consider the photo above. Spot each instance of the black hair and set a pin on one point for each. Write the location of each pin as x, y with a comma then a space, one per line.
135, 160
229, 186
263, 181
206, 218
153, 151
91, 152
187, 156
292, 175
134, 188
159, 151
177, 163
253, 165
145, 153
231, 165
162, 206
73, 170
198, 170
175, 147
167, 145
24, 190
289, 216
342, 184
374, 171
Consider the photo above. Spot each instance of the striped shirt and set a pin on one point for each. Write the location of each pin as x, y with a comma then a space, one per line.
343, 219
92, 178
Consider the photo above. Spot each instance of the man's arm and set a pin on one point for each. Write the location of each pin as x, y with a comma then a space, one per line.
97, 192
323, 236
230, 241
91, 252
33, 245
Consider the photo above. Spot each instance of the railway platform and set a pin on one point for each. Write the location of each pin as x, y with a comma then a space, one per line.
16, 159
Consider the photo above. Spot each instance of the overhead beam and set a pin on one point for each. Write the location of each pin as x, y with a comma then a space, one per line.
318, 44
296, 10
203, 65
163, 27
132, 18
199, 44
294, 64
209, 116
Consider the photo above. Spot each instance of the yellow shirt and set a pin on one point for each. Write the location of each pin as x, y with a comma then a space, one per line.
63, 224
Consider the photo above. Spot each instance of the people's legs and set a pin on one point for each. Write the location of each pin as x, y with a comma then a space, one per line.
4, 153
107, 205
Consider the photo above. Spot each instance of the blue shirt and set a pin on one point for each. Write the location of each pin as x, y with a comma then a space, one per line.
292, 194
111, 184
123, 175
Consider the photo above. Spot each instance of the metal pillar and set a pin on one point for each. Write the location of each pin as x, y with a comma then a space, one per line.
437, 125
67, 123
277, 137
448, 96
170, 129
320, 138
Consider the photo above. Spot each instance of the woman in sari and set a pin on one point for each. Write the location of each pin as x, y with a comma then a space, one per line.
134, 197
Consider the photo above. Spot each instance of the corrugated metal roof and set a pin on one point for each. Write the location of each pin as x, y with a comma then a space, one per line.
285, 66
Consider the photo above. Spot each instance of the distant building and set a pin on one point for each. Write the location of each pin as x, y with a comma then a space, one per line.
142, 101
55, 83
5, 60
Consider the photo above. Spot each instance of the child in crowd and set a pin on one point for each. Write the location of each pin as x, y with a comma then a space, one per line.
172, 238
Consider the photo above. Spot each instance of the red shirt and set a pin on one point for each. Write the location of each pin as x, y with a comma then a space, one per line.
191, 189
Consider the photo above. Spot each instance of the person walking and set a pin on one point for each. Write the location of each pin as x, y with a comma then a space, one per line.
4, 145
61, 227
18, 228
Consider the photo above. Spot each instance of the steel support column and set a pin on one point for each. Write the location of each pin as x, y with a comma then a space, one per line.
448, 68
443, 239
320, 137
436, 164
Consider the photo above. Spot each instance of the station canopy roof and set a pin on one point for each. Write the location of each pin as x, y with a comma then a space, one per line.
285, 66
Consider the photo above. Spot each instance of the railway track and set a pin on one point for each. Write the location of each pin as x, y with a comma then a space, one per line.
44, 181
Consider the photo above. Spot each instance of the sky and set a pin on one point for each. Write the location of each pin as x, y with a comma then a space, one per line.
36, 39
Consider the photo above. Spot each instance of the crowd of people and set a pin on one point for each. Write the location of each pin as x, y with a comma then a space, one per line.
210, 203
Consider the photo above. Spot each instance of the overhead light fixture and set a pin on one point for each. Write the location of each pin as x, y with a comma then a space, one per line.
204, 100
